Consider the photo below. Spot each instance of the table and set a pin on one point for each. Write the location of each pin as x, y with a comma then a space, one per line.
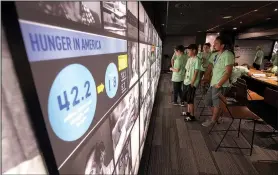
258, 84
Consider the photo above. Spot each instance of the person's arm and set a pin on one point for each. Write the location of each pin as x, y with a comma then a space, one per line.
194, 77
173, 59
207, 73
226, 76
197, 68
176, 67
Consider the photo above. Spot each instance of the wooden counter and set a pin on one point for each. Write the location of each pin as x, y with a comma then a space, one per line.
258, 84
270, 80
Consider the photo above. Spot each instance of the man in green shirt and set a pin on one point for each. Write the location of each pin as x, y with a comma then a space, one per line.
221, 66
274, 59
191, 81
178, 70
258, 58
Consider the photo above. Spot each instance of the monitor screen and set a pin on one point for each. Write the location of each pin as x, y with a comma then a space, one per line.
96, 67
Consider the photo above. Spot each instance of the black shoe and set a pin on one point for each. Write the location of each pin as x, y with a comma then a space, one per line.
185, 114
189, 118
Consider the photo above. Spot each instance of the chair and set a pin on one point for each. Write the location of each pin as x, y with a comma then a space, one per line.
252, 95
204, 88
271, 101
236, 113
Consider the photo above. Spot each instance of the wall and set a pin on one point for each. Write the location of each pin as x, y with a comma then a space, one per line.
168, 45
247, 49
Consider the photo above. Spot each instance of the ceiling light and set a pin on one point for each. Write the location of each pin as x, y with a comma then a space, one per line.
162, 24
227, 17
240, 22
255, 10
234, 28
218, 33
181, 13
199, 31
275, 10
268, 18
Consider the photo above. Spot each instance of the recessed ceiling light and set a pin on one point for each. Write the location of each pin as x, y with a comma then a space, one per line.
240, 22
255, 10
199, 31
162, 24
275, 10
218, 33
268, 18
234, 28
181, 13
226, 17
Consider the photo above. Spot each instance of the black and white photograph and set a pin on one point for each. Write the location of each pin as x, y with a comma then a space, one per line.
124, 163
87, 13
148, 110
141, 24
94, 156
114, 17
143, 87
151, 54
150, 35
154, 37
143, 58
133, 63
132, 19
123, 118
134, 137
142, 122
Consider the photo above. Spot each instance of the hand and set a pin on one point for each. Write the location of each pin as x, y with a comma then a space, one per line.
171, 69
192, 84
217, 86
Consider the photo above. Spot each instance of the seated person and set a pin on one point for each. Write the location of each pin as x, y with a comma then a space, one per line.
238, 71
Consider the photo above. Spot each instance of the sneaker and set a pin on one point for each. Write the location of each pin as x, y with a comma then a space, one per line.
175, 103
189, 118
182, 104
185, 114
208, 123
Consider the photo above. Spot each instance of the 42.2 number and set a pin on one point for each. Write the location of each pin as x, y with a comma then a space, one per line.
65, 104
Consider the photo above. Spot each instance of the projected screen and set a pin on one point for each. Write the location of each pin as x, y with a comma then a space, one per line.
96, 67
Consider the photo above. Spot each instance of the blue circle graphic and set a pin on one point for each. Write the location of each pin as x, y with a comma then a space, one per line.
111, 80
72, 102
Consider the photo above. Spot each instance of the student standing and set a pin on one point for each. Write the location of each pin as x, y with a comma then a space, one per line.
191, 81
221, 66
258, 58
178, 70
204, 57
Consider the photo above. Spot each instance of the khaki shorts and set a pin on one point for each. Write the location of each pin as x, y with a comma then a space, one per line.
212, 98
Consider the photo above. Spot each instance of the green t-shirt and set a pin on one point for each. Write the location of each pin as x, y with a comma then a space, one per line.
179, 63
238, 71
204, 58
274, 69
219, 62
193, 63
259, 57
274, 59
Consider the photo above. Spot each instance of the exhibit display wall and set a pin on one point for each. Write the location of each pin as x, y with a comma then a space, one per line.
95, 67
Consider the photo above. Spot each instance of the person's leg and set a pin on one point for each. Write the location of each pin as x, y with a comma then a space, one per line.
215, 107
190, 102
176, 91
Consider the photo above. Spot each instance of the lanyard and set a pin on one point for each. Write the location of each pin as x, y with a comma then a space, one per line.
215, 60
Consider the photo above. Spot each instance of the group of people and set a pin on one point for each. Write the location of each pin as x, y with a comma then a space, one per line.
217, 69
